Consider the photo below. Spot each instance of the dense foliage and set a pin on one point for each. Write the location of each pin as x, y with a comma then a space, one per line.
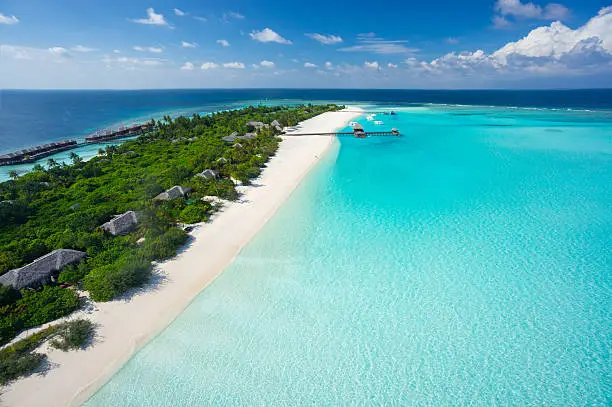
63, 206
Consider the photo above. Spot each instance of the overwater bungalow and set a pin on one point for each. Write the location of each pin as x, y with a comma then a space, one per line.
32, 154
122, 224
358, 131
41, 271
175, 192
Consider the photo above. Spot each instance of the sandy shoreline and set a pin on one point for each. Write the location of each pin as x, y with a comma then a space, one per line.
124, 326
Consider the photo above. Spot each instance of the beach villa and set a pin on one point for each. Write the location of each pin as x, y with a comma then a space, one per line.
121, 224
42, 270
208, 174
175, 192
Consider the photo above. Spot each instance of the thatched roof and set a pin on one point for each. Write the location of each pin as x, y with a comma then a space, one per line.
357, 127
275, 123
175, 192
237, 145
248, 136
231, 138
279, 128
222, 160
121, 224
255, 124
208, 174
41, 270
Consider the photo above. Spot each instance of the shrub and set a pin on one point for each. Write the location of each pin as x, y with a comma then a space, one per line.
107, 282
73, 335
16, 364
164, 246
8, 295
39, 307
194, 213
73, 273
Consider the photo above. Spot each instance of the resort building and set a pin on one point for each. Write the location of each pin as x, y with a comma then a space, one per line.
257, 125
42, 270
121, 224
222, 160
208, 174
275, 123
247, 136
231, 138
237, 145
175, 192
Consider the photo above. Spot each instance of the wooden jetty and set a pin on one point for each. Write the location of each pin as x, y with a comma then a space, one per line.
357, 132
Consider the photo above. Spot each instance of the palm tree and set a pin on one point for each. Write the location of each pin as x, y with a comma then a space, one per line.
75, 158
51, 163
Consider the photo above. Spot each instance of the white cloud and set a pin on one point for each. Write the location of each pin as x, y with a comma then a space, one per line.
325, 39
128, 63
59, 51
202, 19
310, 65
500, 22
392, 66
116, 51
81, 48
268, 35
371, 65
451, 40
371, 43
553, 49
232, 15
209, 65
234, 65
520, 10
295, 60
329, 65
4, 19
19, 52
179, 12
187, 66
186, 44
223, 43
152, 19
267, 64
154, 50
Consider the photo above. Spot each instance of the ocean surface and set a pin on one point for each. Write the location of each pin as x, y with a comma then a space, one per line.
29, 118
466, 263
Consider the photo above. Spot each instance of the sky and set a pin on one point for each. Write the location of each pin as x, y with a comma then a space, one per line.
438, 44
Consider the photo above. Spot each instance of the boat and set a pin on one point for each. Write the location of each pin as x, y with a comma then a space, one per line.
379, 122
370, 118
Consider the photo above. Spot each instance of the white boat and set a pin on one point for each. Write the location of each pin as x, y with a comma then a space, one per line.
373, 115
379, 122
370, 118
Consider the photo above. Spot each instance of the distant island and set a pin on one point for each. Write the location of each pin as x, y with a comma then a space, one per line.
97, 225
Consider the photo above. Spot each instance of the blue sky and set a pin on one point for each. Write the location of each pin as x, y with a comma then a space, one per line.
383, 44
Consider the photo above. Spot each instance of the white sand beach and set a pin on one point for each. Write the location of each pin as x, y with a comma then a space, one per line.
124, 326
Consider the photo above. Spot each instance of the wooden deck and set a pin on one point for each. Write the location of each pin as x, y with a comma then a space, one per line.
346, 133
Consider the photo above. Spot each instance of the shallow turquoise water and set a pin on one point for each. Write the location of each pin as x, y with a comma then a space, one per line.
466, 263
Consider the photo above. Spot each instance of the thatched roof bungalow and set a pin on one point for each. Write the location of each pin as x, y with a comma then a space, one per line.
231, 138
237, 145
257, 125
222, 160
208, 174
42, 270
175, 192
275, 123
247, 136
121, 224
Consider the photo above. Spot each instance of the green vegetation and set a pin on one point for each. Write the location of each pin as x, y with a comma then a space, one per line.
20, 359
73, 335
63, 206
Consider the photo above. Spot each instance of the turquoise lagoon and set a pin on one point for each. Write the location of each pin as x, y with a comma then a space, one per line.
465, 263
